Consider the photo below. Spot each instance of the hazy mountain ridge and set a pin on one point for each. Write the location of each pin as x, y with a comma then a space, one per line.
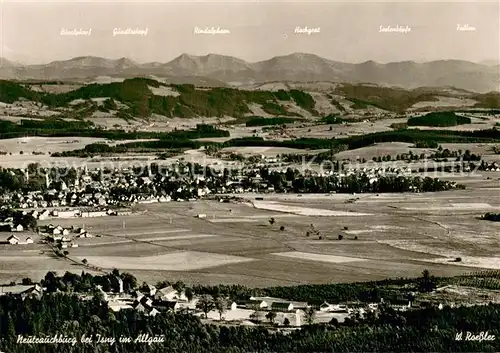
298, 67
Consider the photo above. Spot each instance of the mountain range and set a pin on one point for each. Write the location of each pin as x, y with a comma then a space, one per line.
221, 70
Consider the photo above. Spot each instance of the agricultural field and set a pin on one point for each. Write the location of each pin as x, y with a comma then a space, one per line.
236, 242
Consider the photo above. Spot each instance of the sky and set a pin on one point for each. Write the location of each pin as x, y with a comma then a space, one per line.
30, 31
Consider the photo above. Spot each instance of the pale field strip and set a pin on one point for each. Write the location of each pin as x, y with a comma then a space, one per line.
407, 198
295, 197
176, 261
164, 91
179, 237
233, 220
361, 231
146, 232
344, 241
373, 229
446, 254
452, 206
303, 211
492, 262
386, 227
318, 257
445, 102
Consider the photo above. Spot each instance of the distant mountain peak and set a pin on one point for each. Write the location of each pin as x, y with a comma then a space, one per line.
296, 67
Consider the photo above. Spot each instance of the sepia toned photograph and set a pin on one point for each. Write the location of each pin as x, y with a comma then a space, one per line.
268, 176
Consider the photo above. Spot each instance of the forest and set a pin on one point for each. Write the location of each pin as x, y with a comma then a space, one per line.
495, 217
439, 119
191, 102
63, 313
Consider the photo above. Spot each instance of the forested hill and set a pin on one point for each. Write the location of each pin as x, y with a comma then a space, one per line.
143, 97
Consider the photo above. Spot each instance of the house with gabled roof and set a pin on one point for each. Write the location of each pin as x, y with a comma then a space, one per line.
18, 228
34, 292
167, 305
13, 240
153, 312
281, 306
137, 295
326, 307
169, 294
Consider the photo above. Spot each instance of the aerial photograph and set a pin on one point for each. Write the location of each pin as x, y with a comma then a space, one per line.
243, 176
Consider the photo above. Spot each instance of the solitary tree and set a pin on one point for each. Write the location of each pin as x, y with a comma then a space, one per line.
427, 282
341, 237
220, 305
334, 321
27, 281
272, 220
255, 316
189, 293
179, 286
310, 315
271, 316
286, 322
205, 304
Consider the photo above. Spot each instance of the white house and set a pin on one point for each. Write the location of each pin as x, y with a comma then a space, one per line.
29, 240
18, 228
326, 307
13, 239
44, 215
151, 290
153, 312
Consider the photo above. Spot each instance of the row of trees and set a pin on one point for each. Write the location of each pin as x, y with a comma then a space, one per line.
354, 183
439, 154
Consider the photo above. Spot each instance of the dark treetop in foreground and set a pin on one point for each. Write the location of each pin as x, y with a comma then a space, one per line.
390, 331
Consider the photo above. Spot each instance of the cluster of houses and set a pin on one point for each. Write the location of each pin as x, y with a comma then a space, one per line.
15, 240
64, 236
153, 301
150, 302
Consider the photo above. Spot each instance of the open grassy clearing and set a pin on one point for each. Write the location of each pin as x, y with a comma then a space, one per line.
393, 241
316, 257
445, 102
176, 261
302, 211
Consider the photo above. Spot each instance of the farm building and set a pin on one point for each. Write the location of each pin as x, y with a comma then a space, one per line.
67, 214
18, 228
281, 306
326, 307
88, 214
169, 294
168, 305
13, 240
